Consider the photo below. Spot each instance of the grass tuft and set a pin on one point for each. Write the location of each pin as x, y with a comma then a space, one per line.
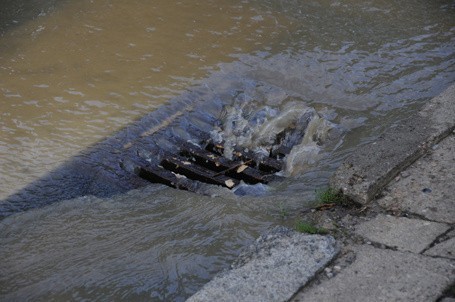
329, 196
305, 227
284, 213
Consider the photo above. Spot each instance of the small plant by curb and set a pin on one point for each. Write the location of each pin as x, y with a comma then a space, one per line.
329, 196
305, 227
283, 212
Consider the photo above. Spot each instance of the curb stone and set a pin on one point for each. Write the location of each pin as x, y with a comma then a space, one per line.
372, 167
426, 188
272, 269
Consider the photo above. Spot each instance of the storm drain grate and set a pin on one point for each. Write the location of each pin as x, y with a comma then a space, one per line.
206, 163
243, 146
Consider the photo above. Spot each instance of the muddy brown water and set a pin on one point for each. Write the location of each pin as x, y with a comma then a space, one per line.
74, 72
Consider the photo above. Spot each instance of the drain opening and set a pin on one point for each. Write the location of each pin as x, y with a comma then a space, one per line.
207, 165
244, 147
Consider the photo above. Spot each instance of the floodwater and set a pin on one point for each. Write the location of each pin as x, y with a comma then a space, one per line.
74, 72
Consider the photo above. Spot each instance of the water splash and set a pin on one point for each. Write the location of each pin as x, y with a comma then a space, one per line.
293, 131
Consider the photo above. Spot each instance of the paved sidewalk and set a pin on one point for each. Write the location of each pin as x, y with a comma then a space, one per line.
405, 247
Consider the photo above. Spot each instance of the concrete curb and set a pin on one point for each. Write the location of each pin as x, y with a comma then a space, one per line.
372, 167
275, 267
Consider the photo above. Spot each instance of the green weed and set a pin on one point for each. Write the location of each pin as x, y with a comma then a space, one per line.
283, 211
329, 196
305, 227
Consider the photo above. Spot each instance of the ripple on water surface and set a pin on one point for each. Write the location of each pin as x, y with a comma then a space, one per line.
155, 242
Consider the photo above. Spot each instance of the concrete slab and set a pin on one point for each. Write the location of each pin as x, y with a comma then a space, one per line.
272, 269
444, 249
385, 275
406, 234
373, 166
427, 187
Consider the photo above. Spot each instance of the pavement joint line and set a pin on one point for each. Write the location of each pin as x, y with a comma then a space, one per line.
333, 288
438, 257
315, 276
411, 215
435, 241
316, 279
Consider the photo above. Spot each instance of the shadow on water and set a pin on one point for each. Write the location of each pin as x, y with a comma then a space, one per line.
13, 13
104, 169
97, 171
